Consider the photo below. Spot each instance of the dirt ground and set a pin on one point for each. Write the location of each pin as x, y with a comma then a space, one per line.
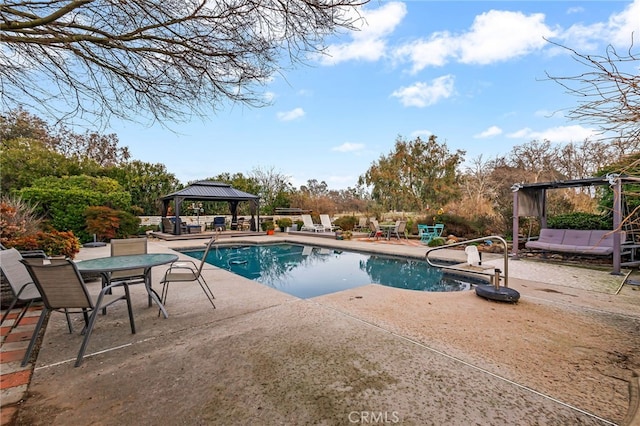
567, 353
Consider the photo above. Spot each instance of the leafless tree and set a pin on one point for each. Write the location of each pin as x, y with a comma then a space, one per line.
167, 59
608, 93
538, 158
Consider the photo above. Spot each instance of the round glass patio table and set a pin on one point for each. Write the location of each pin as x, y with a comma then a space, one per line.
105, 265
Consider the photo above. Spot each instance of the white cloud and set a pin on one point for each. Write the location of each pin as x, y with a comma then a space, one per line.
494, 36
348, 147
291, 115
617, 30
490, 132
620, 26
369, 43
423, 94
558, 134
500, 35
424, 53
269, 96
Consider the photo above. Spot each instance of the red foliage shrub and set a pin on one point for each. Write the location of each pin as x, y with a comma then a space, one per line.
53, 243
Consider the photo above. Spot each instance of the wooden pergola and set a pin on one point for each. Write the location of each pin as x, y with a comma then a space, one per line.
530, 200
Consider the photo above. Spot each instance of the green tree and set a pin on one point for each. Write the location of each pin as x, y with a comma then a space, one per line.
147, 183
274, 189
88, 146
415, 175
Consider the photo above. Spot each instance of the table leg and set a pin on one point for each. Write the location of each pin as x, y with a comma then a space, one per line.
106, 280
153, 295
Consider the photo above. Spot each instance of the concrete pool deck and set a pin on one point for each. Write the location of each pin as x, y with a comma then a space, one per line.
565, 354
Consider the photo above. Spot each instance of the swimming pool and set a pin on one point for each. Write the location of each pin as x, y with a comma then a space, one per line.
308, 271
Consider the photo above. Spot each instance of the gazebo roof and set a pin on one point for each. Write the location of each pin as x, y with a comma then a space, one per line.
207, 190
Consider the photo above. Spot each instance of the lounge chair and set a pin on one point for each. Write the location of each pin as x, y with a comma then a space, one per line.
187, 271
362, 224
308, 224
63, 289
325, 220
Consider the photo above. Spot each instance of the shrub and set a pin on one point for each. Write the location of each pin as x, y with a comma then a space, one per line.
63, 200
17, 218
437, 241
346, 223
300, 224
267, 225
284, 223
107, 223
579, 220
53, 243
142, 229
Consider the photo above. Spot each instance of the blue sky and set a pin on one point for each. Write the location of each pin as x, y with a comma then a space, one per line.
470, 72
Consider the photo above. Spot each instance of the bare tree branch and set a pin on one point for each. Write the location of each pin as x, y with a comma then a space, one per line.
608, 93
167, 59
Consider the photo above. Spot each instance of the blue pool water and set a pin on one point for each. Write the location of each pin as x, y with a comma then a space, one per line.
306, 271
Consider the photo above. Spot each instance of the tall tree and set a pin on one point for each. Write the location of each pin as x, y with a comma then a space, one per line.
168, 59
102, 149
538, 159
275, 188
415, 175
146, 183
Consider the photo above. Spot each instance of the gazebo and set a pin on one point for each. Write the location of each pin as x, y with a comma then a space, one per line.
207, 190
530, 200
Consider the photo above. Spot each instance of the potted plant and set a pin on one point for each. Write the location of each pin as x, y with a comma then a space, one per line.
284, 223
268, 226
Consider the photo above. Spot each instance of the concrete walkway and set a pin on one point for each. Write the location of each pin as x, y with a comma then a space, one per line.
265, 357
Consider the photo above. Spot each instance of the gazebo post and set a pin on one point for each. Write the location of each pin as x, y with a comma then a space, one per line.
616, 185
516, 224
178, 204
233, 206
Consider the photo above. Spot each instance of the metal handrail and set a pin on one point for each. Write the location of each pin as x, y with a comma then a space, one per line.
496, 273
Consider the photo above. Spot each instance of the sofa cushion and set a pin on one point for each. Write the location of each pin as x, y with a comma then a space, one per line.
551, 236
576, 237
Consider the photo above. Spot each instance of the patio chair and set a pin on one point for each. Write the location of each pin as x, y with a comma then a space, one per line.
325, 220
399, 229
124, 247
308, 225
374, 229
62, 288
23, 289
219, 223
187, 271
169, 226
429, 232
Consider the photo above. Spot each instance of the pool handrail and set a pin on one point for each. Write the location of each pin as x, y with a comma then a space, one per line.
495, 275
